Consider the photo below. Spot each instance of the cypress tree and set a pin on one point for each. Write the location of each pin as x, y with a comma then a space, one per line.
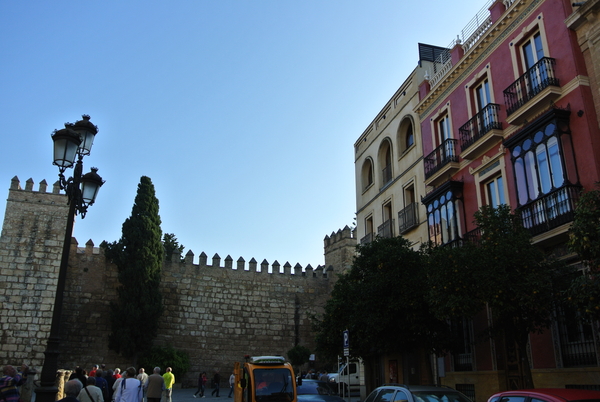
138, 256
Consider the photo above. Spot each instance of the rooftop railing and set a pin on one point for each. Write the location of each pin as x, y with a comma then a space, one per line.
468, 36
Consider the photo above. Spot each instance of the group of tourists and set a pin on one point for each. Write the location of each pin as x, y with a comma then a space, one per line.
99, 385
111, 386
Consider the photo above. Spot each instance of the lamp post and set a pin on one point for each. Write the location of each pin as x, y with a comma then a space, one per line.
73, 141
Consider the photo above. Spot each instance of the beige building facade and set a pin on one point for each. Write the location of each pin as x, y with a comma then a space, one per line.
389, 166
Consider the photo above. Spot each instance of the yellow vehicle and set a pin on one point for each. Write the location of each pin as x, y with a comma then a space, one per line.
264, 379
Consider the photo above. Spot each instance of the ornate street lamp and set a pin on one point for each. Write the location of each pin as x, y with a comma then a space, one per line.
73, 141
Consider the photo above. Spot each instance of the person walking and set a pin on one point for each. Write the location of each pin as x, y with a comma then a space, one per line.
130, 388
102, 384
155, 385
90, 393
143, 377
231, 384
204, 381
169, 381
216, 384
72, 389
201, 384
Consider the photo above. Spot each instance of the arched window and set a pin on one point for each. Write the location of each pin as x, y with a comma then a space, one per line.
385, 161
367, 174
406, 135
410, 137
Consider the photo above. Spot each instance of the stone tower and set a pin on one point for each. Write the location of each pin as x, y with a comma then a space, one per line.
30, 250
340, 249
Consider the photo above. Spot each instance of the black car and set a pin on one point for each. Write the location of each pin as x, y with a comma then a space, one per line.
317, 391
415, 393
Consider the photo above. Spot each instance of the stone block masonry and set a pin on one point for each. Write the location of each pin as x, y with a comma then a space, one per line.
217, 313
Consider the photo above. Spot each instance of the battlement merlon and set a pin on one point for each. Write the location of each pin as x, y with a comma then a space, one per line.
56, 199
275, 268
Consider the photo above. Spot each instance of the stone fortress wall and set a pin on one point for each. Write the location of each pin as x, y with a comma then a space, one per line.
217, 312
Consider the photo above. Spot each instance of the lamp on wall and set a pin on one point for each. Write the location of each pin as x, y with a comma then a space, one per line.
70, 143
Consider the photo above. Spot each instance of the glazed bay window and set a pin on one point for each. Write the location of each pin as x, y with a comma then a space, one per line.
545, 174
443, 211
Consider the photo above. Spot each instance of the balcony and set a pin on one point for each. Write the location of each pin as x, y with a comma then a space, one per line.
441, 162
474, 236
550, 211
408, 218
367, 239
386, 175
481, 132
386, 229
532, 92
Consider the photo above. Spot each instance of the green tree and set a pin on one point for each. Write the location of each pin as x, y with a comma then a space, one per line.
138, 256
381, 302
504, 271
584, 239
171, 246
584, 234
166, 356
298, 355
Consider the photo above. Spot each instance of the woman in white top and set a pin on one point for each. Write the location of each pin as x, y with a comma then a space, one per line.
130, 388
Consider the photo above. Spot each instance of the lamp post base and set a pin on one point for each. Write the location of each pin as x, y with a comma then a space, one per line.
46, 394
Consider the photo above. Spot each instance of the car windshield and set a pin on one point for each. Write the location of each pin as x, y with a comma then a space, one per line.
273, 385
439, 396
315, 388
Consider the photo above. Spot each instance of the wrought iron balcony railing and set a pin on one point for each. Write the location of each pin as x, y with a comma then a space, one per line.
367, 239
386, 174
550, 211
473, 236
386, 229
408, 218
482, 123
440, 157
536, 79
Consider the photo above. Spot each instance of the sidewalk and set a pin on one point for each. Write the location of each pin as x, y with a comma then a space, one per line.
186, 395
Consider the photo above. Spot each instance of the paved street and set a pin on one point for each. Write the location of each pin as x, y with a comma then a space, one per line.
186, 395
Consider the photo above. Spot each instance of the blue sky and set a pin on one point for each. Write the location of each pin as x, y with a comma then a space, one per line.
243, 113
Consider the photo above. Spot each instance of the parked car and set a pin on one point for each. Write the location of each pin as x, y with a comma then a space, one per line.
317, 391
546, 395
415, 393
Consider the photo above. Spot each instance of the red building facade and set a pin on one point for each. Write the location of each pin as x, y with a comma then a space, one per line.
507, 116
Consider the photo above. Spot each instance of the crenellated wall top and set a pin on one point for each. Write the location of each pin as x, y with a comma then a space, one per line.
216, 262
187, 262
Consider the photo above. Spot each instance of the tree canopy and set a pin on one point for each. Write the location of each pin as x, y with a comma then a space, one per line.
584, 239
171, 245
381, 301
138, 256
395, 299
